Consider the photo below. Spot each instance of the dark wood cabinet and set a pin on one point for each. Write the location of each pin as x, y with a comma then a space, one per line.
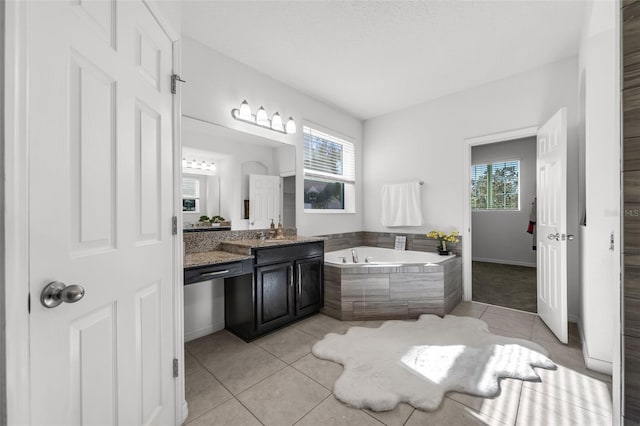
274, 296
286, 286
309, 295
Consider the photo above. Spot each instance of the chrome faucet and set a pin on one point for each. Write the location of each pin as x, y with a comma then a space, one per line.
354, 255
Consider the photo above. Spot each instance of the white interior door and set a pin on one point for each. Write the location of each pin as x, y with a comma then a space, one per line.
101, 202
264, 200
551, 223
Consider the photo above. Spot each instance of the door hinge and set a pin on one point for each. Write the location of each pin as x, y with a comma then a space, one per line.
29, 302
174, 225
175, 367
175, 78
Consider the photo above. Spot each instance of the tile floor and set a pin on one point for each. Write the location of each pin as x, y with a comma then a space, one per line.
276, 381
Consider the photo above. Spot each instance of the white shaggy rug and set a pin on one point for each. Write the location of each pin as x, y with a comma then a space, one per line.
418, 362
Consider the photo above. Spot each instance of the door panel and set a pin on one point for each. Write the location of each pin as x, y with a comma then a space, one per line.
274, 295
101, 202
264, 196
551, 224
309, 295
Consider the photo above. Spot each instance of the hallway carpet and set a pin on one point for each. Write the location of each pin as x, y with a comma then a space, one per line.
505, 285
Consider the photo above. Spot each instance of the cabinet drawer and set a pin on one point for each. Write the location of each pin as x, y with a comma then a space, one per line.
222, 270
296, 251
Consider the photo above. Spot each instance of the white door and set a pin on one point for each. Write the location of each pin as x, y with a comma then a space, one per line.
264, 200
551, 223
100, 171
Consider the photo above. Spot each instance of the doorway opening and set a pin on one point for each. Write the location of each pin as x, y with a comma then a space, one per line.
503, 192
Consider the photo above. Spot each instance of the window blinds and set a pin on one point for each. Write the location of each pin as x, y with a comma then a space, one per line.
496, 186
327, 156
190, 187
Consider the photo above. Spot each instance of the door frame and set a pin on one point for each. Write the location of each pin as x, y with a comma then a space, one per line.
15, 374
469, 143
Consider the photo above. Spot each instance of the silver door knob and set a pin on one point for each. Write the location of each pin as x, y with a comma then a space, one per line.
554, 236
56, 292
570, 237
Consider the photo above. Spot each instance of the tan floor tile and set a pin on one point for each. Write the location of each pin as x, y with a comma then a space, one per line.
396, 417
288, 344
283, 398
231, 413
503, 407
571, 357
245, 368
469, 309
191, 365
508, 333
539, 409
541, 333
334, 413
203, 392
215, 346
451, 413
324, 372
574, 387
511, 313
516, 324
319, 325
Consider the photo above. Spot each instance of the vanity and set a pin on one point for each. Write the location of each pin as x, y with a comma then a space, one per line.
267, 283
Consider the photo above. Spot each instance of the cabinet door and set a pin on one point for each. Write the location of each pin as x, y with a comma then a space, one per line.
274, 296
309, 294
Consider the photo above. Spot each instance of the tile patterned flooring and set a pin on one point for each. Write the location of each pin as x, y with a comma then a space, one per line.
275, 380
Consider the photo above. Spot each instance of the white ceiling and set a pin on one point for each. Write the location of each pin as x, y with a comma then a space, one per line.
370, 58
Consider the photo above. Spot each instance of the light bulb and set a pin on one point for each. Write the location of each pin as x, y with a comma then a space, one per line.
276, 122
245, 111
261, 117
291, 126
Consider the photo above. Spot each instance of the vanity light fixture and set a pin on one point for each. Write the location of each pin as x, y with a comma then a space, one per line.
262, 119
198, 165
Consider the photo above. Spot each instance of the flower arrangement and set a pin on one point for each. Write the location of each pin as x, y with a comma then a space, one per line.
453, 237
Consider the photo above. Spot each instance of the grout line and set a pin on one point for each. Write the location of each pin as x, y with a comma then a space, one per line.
249, 410
313, 408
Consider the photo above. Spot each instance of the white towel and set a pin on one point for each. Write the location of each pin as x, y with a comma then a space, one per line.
401, 205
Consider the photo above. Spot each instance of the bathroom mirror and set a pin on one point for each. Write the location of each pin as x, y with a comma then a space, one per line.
219, 165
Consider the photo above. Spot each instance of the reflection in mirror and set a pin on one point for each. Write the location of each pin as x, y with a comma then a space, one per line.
244, 179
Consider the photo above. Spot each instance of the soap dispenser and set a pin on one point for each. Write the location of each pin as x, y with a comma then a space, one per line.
280, 231
272, 230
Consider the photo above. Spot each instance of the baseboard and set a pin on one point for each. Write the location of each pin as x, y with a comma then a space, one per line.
594, 364
505, 262
185, 411
203, 331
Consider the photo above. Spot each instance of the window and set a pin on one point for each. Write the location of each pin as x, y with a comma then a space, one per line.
329, 172
495, 186
191, 194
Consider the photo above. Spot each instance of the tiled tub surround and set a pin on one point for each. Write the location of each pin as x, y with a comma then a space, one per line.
365, 292
416, 242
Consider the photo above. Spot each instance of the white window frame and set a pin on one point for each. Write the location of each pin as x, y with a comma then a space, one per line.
203, 200
491, 163
348, 176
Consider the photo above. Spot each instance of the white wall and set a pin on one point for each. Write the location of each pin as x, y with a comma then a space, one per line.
216, 84
203, 308
426, 142
501, 236
599, 278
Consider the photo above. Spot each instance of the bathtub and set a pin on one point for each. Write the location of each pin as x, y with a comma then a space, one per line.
390, 284
372, 256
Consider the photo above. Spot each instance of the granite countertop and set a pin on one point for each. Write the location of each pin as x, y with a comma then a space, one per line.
191, 260
245, 246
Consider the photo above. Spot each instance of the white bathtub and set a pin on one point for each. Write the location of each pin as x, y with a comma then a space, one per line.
374, 256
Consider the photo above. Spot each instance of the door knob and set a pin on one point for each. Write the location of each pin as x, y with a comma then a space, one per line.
554, 236
56, 292
570, 237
